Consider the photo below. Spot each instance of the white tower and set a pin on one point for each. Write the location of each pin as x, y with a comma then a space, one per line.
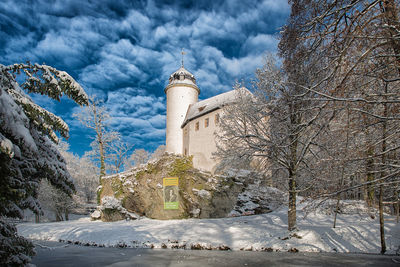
181, 92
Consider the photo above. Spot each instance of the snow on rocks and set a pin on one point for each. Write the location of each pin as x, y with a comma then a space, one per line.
202, 193
258, 199
96, 215
109, 202
112, 210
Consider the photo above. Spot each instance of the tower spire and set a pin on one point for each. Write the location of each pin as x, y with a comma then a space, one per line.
183, 53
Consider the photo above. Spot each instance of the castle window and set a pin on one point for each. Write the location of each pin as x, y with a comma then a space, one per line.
197, 126
216, 119
206, 122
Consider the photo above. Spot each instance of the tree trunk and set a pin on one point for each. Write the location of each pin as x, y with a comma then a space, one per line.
292, 225
397, 211
59, 217
336, 210
370, 188
383, 174
99, 131
293, 146
102, 159
341, 180
381, 220
66, 214
391, 19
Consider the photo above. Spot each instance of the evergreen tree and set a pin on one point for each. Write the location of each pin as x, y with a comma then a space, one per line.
27, 147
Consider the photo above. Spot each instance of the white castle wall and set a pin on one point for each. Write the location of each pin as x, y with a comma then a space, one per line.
201, 143
179, 97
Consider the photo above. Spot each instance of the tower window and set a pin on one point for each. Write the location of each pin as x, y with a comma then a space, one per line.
197, 126
216, 119
206, 122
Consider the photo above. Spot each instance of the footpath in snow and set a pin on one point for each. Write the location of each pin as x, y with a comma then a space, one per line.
268, 232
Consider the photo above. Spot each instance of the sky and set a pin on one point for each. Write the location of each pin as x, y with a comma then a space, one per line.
124, 51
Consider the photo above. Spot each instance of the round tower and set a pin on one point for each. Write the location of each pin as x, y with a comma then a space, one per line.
181, 92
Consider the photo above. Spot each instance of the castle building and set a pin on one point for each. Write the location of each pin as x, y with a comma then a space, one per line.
191, 124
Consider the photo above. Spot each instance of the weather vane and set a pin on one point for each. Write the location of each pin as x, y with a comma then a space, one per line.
183, 53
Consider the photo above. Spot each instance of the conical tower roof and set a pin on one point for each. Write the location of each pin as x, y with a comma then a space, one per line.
182, 76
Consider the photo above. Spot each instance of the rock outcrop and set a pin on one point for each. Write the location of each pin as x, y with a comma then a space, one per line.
140, 191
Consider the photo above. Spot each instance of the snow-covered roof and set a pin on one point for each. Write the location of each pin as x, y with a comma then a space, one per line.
209, 105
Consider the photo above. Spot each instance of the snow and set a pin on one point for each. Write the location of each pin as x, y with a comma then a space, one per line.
6, 146
354, 233
96, 215
202, 193
109, 202
210, 104
14, 120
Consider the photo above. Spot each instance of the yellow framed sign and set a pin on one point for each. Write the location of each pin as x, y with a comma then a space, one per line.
171, 193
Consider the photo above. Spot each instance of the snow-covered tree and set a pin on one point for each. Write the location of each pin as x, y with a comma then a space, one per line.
138, 156
118, 154
27, 146
356, 44
54, 200
86, 178
158, 153
84, 173
95, 117
276, 129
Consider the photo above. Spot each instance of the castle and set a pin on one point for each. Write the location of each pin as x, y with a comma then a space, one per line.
191, 124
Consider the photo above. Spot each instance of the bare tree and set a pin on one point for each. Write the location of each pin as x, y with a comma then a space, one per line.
95, 117
357, 46
118, 153
138, 157
277, 128
158, 153
84, 173
55, 200
86, 180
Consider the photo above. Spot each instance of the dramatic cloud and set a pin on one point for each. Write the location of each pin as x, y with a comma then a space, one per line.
124, 51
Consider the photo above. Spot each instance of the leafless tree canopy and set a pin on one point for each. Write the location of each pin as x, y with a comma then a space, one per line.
326, 120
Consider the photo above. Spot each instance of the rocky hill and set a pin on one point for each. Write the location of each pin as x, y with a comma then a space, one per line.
139, 192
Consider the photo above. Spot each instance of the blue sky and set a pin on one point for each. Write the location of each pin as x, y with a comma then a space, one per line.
124, 52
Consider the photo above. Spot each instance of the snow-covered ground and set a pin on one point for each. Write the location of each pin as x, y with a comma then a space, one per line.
353, 233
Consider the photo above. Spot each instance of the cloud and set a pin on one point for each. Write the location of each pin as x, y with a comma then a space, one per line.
141, 118
260, 43
124, 51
